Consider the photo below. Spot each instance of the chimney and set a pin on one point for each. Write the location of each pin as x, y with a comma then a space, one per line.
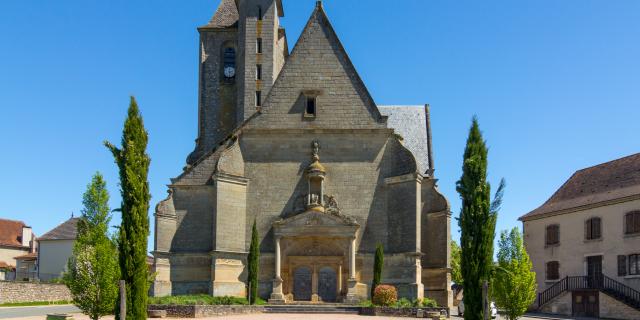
27, 236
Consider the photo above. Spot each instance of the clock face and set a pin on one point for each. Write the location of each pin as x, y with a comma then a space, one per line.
229, 72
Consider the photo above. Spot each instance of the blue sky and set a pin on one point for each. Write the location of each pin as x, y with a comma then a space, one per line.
555, 84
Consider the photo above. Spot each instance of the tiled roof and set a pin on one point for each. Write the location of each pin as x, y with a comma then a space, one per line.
5, 266
65, 231
609, 181
226, 15
30, 256
10, 233
410, 122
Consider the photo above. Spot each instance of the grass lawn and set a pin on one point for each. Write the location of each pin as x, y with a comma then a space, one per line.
34, 303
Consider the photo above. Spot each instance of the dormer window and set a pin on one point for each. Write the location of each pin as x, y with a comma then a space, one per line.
311, 106
310, 103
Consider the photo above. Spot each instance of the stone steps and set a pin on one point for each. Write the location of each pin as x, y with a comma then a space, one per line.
307, 308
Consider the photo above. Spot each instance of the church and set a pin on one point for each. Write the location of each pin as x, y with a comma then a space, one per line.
294, 142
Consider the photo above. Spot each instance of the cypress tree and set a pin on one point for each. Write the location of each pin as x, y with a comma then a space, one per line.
252, 260
378, 262
477, 222
133, 162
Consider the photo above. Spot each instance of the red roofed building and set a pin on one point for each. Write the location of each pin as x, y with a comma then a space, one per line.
16, 239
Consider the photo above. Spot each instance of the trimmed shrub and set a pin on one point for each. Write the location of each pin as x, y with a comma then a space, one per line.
385, 295
404, 303
429, 303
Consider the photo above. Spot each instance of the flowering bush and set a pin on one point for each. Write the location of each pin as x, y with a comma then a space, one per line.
385, 295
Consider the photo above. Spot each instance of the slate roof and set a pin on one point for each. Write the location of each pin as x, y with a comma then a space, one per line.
66, 231
410, 122
10, 233
226, 15
617, 179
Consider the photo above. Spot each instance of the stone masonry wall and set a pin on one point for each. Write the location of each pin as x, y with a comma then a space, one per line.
613, 309
14, 292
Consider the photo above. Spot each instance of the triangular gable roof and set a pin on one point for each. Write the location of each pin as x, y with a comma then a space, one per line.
67, 230
315, 223
226, 15
319, 63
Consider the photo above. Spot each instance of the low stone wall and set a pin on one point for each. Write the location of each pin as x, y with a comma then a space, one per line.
432, 313
14, 292
202, 311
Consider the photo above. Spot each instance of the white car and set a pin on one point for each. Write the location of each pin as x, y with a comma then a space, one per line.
492, 309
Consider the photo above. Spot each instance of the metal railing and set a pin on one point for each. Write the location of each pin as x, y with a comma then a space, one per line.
620, 291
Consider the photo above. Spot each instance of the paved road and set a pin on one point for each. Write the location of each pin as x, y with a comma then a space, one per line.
19, 312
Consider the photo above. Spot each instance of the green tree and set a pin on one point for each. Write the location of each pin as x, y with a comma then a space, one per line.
93, 269
477, 222
514, 289
133, 162
378, 263
253, 261
456, 275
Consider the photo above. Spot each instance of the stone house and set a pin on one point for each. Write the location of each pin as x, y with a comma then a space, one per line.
16, 239
56, 247
584, 243
293, 142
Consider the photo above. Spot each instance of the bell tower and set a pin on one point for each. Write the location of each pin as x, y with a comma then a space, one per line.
242, 50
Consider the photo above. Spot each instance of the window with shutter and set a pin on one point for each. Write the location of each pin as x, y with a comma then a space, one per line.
553, 235
622, 266
593, 229
553, 270
634, 264
632, 222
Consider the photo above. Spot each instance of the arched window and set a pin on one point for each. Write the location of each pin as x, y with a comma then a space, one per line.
552, 235
229, 62
593, 229
632, 222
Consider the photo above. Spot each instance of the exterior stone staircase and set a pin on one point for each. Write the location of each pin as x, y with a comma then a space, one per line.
604, 284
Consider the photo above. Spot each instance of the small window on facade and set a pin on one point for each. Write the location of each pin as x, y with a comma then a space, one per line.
259, 45
311, 106
259, 13
553, 270
258, 98
634, 264
622, 266
632, 222
553, 235
592, 229
258, 72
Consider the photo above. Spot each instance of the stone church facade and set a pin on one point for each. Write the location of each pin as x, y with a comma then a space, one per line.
295, 143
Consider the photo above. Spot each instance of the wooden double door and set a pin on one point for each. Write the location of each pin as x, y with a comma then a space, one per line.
586, 303
326, 286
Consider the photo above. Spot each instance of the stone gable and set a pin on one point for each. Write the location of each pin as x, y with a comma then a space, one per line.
319, 63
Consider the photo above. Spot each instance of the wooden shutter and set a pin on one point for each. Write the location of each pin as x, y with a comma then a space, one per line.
622, 266
553, 272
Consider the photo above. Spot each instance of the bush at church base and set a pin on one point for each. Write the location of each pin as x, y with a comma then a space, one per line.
385, 295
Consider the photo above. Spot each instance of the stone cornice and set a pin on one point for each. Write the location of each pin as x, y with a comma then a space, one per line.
411, 177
